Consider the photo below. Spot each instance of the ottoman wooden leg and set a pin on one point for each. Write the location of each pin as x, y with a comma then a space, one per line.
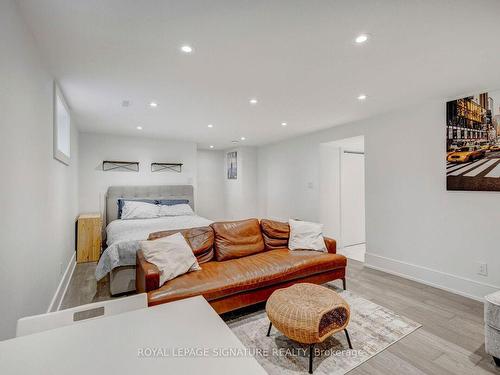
348, 339
497, 361
269, 330
311, 356
343, 284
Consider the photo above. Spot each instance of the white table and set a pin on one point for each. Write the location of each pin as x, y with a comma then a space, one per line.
112, 345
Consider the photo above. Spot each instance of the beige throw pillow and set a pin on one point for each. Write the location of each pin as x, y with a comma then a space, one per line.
306, 236
172, 255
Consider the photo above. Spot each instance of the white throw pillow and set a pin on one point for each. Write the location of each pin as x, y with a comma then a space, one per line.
139, 210
306, 236
172, 255
176, 210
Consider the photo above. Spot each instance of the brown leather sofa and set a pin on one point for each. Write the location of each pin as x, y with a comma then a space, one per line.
242, 263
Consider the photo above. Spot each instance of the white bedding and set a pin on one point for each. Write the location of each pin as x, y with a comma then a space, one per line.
124, 236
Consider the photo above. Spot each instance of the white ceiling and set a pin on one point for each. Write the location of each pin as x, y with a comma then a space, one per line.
297, 57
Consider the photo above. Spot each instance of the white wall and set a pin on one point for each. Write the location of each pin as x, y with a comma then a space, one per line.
241, 194
38, 195
288, 178
94, 148
329, 190
211, 174
413, 225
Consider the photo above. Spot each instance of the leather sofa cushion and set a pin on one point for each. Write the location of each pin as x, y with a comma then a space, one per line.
220, 279
236, 239
275, 234
200, 239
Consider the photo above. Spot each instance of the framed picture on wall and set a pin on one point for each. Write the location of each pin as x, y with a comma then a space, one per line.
473, 142
62, 128
232, 165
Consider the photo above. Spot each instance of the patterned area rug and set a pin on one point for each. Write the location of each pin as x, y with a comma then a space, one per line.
372, 329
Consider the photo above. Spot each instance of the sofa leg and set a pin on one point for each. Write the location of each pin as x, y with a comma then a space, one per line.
269, 330
497, 361
344, 284
311, 356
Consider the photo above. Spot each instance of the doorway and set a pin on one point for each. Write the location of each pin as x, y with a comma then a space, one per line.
342, 192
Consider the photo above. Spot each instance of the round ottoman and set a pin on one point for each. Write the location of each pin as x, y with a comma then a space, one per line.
308, 314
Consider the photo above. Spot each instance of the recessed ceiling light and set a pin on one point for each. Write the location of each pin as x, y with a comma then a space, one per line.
126, 103
362, 97
242, 138
153, 104
186, 49
284, 124
211, 146
253, 101
139, 127
210, 125
361, 38
234, 141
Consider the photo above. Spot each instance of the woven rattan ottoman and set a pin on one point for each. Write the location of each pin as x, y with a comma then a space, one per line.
308, 314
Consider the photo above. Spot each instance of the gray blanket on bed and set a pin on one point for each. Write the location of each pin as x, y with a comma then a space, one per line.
124, 237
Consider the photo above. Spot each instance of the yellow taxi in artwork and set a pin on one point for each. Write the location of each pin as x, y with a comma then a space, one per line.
466, 154
483, 145
494, 147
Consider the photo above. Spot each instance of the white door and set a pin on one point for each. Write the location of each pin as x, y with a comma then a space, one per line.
352, 198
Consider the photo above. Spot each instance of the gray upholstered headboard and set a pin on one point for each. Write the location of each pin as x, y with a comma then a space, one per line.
146, 191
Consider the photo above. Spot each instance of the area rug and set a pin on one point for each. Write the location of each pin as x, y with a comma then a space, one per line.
372, 329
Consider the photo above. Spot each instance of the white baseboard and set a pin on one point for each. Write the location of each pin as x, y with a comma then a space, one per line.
55, 304
451, 283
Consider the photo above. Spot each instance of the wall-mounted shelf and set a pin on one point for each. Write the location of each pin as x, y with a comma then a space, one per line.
173, 167
111, 165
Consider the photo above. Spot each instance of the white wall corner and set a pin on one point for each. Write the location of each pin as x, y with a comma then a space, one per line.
451, 283
55, 304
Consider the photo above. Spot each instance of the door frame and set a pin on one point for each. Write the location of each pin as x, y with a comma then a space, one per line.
343, 151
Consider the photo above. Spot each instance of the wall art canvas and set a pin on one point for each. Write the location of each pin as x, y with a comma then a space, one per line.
473, 142
232, 165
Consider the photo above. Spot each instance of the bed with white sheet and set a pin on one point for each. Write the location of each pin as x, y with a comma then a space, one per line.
123, 236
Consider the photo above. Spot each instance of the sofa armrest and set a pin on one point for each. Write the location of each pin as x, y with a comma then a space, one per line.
331, 245
147, 275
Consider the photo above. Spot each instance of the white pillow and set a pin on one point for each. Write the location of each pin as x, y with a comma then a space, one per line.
306, 236
176, 210
172, 255
140, 210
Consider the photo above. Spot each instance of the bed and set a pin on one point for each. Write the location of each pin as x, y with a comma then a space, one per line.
123, 236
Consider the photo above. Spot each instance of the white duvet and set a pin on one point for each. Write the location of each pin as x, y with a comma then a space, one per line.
124, 236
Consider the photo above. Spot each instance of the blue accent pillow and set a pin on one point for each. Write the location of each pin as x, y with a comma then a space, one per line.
121, 203
172, 202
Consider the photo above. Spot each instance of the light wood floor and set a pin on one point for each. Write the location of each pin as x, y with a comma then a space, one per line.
83, 287
451, 340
